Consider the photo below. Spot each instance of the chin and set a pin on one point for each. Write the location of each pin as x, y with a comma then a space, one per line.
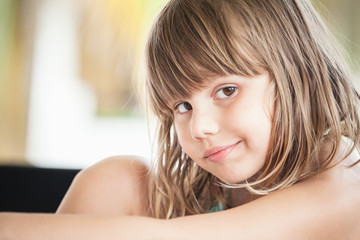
237, 178
232, 180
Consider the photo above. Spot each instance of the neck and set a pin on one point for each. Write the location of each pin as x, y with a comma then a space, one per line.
241, 196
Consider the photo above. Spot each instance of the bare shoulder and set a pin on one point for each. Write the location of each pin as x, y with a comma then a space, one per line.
116, 185
324, 207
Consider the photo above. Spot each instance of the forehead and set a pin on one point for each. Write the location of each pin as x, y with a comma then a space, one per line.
187, 88
217, 82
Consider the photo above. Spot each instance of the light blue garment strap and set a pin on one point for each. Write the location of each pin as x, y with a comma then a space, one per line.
216, 208
219, 207
326, 132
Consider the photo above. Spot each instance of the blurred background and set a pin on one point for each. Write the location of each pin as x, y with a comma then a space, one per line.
68, 73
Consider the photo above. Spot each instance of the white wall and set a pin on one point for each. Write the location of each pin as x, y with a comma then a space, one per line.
63, 129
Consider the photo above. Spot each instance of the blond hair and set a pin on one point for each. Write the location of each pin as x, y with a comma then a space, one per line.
192, 40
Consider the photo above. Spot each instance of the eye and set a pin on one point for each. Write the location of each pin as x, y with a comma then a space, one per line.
225, 92
183, 107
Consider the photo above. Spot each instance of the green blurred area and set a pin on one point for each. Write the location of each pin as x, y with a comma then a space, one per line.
343, 19
7, 29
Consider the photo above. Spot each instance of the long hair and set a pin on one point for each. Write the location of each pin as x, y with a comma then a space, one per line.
193, 40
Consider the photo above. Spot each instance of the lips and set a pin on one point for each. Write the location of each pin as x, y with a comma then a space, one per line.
217, 154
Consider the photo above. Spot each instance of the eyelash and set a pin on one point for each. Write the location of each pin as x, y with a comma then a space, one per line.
189, 107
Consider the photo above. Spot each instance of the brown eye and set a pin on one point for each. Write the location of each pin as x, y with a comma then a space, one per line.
183, 107
228, 91
225, 92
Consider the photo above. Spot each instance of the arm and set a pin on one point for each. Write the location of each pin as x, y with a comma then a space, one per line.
114, 187
299, 212
325, 207
74, 226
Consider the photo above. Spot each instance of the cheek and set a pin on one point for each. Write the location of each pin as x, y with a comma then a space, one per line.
182, 134
252, 121
186, 142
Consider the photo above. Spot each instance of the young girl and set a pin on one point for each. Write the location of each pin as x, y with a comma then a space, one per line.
258, 124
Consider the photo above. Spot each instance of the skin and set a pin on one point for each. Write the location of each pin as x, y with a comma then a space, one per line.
323, 207
326, 206
114, 186
232, 114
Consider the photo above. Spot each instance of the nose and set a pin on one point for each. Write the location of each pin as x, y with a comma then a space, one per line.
203, 124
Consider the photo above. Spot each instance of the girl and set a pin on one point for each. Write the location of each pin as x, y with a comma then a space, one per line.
257, 117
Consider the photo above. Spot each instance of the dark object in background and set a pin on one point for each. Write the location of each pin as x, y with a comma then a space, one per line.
32, 189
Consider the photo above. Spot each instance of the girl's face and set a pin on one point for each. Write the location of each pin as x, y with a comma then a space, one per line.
225, 127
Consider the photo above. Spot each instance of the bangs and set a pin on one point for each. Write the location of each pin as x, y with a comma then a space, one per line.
191, 42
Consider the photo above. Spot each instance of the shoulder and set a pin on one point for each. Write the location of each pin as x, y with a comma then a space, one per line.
116, 168
116, 185
326, 206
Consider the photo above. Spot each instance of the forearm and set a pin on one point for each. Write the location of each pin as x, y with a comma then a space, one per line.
67, 226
